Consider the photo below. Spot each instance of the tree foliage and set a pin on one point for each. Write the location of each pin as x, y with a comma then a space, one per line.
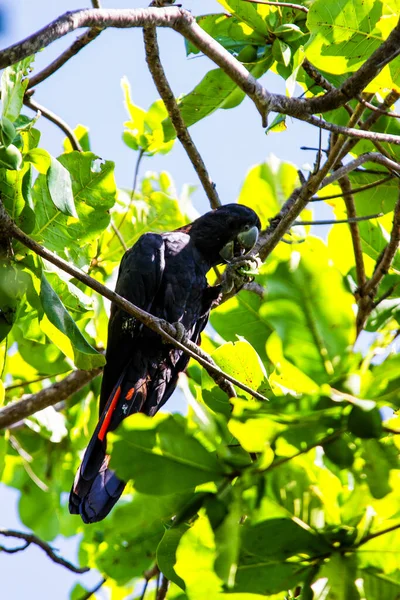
297, 496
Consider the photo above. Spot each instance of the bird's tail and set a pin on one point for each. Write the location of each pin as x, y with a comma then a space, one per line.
96, 487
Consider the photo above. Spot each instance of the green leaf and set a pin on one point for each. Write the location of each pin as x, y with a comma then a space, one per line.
166, 553
60, 188
163, 458
239, 316
38, 511
229, 32
255, 576
311, 311
94, 192
14, 82
365, 423
253, 15
286, 538
85, 356
341, 572
10, 158
216, 90
195, 556
125, 544
7, 131
346, 33
380, 586
240, 360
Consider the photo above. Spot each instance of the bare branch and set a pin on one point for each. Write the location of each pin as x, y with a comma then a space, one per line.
166, 93
345, 186
183, 22
354, 164
33, 539
56, 120
384, 264
163, 589
79, 43
119, 235
90, 593
21, 409
338, 221
362, 188
164, 329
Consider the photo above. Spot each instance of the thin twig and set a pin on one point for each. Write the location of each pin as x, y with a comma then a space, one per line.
90, 593
338, 221
283, 4
375, 157
119, 235
344, 183
164, 329
163, 589
133, 191
160, 80
56, 120
14, 386
79, 43
353, 191
372, 536
33, 539
384, 264
16, 411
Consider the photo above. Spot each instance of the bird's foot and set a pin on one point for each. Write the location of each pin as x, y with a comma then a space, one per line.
240, 272
175, 330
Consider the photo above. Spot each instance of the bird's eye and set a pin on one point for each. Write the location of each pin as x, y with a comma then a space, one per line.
246, 227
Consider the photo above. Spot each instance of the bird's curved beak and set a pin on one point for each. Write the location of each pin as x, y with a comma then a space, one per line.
227, 252
244, 242
247, 239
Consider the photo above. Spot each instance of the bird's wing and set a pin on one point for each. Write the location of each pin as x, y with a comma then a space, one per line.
139, 280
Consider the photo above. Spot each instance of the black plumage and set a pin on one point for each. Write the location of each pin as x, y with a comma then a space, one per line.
164, 274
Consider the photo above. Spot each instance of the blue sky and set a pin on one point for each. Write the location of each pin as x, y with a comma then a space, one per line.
87, 90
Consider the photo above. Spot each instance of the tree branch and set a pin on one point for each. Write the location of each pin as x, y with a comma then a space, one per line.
56, 120
61, 390
33, 539
164, 329
90, 593
345, 186
166, 93
384, 264
79, 43
374, 157
362, 188
183, 22
338, 221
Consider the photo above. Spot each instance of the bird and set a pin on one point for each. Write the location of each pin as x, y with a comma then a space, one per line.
165, 275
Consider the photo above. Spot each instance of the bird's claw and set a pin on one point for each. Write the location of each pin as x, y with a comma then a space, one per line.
240, 272
175, 330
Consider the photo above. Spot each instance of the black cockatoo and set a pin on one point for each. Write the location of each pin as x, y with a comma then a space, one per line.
164, 274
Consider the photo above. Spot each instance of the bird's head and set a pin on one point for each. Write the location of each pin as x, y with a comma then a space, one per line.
225, 233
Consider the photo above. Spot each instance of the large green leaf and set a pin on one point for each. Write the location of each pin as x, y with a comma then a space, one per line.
85, 356
94, 192
216, 90
14, 82
239, 316
231, 33
161, 456
14, 189
311, 311
195, 556
345, 33
129, 536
